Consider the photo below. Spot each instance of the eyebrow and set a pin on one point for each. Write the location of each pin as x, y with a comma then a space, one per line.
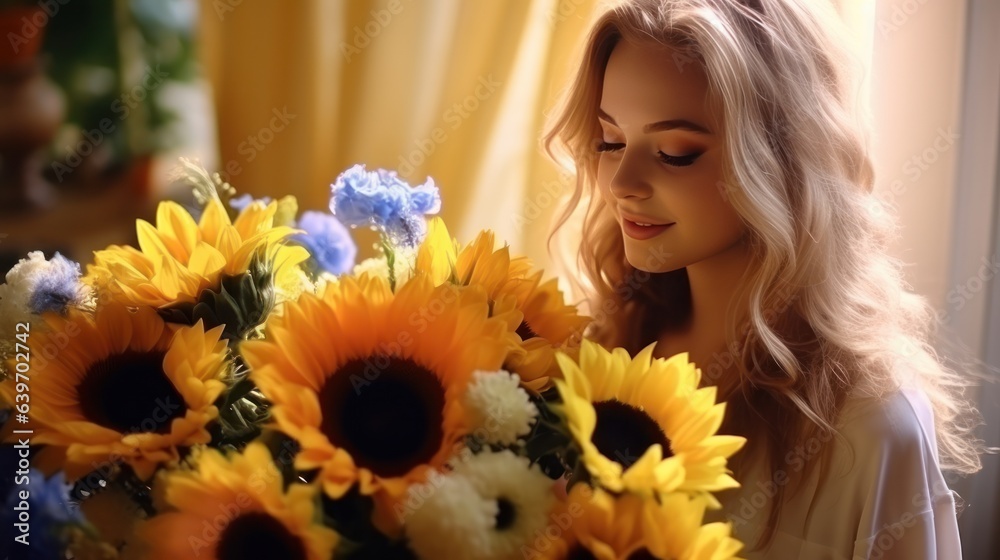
670, 124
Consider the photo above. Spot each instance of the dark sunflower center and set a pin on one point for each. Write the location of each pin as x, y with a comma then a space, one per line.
580, 553
506, 514
258, 535
524, 331
390, 419
624, 432
130, 393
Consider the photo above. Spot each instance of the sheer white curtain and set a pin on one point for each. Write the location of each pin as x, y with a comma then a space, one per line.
975, 258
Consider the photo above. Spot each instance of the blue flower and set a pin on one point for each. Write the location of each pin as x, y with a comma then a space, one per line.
56, 286
328, 241
36, 285
49, 508
52, 498
382, 199
425, 198
361, 197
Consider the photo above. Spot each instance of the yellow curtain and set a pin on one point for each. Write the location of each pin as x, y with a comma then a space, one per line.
451, 89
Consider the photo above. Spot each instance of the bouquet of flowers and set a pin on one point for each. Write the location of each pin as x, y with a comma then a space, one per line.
237, 387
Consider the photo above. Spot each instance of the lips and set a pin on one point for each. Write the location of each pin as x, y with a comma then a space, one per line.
643, 220
641, 232
642, 227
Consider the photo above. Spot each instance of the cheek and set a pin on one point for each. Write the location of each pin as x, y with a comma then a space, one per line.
709, 215
605, 174
727, 229
700, 202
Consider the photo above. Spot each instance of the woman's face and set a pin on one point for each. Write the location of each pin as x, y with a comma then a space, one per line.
661, 153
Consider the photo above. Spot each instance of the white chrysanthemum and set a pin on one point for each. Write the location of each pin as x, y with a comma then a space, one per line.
378, 266
487, 508
446, 518
375, 266
296, 283
499, 409
519, 493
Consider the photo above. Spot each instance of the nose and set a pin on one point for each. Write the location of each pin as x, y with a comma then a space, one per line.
630, 179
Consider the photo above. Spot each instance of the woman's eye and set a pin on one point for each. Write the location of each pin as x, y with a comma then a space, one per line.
603, 146
678, 161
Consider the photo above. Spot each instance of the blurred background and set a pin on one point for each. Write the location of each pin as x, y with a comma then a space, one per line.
99, 98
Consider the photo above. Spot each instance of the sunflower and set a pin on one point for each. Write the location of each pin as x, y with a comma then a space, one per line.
235, 508
595, 524
478, 264
123, 387
178, 259
549, 325
370, 383
535, 310
642, 424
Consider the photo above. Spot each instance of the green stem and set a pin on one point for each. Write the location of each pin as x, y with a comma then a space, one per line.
390, 259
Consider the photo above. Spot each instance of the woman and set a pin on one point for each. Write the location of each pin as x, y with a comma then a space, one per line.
730, 215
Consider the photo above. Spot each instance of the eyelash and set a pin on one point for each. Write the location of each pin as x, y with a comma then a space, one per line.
676, 161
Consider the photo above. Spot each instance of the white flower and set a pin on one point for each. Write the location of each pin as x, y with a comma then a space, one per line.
487, 508
499, 409
446, 518
296, 283
323, 279
378, 266
521, 496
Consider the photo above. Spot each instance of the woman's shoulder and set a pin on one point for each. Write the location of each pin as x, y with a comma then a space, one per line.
892, 475
886, 456
893, 459
897, 425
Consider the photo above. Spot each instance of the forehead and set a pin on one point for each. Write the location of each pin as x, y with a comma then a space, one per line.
646, 83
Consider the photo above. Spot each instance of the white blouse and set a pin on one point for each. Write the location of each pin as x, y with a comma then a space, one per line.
885, 501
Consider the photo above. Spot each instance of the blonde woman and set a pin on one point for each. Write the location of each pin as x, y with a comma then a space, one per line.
727, 191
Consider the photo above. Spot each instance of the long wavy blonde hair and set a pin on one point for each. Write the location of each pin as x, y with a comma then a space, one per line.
830, 313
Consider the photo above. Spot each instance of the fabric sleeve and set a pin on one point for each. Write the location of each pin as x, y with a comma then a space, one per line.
909, 511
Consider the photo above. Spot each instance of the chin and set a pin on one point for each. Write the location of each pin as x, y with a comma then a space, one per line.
648, 257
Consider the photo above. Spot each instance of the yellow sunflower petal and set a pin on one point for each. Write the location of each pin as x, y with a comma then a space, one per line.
255, 218
176, 224
206, 260
153, 245
214, 219
437, 255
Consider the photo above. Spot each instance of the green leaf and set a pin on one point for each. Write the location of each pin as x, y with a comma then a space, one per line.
238, 391
350, 515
